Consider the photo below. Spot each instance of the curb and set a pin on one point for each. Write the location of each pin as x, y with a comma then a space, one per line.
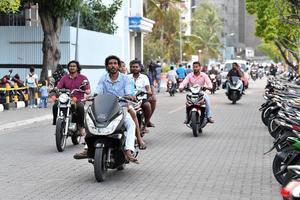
24, 122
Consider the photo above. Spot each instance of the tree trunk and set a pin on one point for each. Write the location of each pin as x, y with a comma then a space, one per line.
51, 50
278, 45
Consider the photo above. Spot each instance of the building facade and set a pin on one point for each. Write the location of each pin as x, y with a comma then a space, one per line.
239, 28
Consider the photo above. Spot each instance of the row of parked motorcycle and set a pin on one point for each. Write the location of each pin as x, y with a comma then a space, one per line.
11, 80
281, 114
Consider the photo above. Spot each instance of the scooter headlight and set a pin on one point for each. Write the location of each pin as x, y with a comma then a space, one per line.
103, 131
63, 98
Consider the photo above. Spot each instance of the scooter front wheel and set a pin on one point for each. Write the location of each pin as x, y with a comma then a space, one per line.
100, 168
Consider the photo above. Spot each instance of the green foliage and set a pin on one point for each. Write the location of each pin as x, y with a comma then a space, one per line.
96, 16
7, 6
56, 8
206, 29
163, 41
272, 29
271, 50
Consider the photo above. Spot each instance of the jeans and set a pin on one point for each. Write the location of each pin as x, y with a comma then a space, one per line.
31, 92
43, 102
158, 84
130, 132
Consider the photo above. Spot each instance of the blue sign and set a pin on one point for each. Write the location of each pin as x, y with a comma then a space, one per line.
135, 23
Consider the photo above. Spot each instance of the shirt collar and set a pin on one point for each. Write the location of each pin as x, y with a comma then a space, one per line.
200, 75
72, 77
109, 80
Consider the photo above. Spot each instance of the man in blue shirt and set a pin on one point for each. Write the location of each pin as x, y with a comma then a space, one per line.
180, 72
118, 84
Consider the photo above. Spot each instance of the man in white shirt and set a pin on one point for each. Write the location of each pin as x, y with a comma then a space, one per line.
172, 75
142, 83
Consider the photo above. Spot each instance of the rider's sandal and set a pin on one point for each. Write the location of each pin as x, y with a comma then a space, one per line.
142, 146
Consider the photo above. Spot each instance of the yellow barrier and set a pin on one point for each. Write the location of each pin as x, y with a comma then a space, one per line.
15, 98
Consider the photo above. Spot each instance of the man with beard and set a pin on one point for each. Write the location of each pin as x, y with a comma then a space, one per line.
72, 81
142, 83
118, 84
198, 78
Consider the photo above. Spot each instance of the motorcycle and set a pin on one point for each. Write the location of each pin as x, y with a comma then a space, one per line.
65, 123
105, 134
253, 74
213, 79
260, 73
195, 103
171, 87
234, 93
5, 79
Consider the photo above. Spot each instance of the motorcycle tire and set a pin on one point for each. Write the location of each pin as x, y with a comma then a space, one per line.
276, 167
194, 124
100, 168
272, 126
60, 139
121, 167
264, 116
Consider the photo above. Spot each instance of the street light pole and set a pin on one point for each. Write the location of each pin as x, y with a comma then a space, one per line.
77, 30
180, 40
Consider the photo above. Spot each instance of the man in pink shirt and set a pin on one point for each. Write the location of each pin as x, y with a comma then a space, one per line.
201, 79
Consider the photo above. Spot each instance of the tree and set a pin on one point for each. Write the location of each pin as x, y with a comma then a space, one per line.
206, 29
272, 29
97, 17
163, 42
52, 15
9, 5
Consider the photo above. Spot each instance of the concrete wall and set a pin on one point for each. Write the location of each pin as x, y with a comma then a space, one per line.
22, 45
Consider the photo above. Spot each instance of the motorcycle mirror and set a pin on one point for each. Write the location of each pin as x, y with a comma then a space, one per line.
85, 82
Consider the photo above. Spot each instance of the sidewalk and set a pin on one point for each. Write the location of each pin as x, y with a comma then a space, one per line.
17, 117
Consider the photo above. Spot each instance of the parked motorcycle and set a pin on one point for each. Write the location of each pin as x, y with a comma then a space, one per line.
171, 87
234, 93
106, 134
214, 82
291, 187
65, 123
195, 103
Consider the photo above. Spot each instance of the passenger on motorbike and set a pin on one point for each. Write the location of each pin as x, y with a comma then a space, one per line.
142, 84
58, 74
201, 79
72, 81
118, 84
235, 71
141, 143
181, 74
172, 76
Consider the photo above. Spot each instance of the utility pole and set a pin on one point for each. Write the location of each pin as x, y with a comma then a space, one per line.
180, 40
77, 30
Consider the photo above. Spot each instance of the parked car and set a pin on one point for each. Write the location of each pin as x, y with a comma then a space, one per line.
244, 67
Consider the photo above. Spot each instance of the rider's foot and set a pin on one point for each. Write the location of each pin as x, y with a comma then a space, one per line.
150, 124
81, 155
81, 131
129, 157
210, 120
185, 121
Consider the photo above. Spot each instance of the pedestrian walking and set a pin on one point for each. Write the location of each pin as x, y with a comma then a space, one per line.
158, 70
44, 95
32, 83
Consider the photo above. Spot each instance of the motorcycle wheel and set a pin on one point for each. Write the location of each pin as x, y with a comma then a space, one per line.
194, 124
59, 135
121, 167
272, 126
264, 116
276, 167
100, 168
